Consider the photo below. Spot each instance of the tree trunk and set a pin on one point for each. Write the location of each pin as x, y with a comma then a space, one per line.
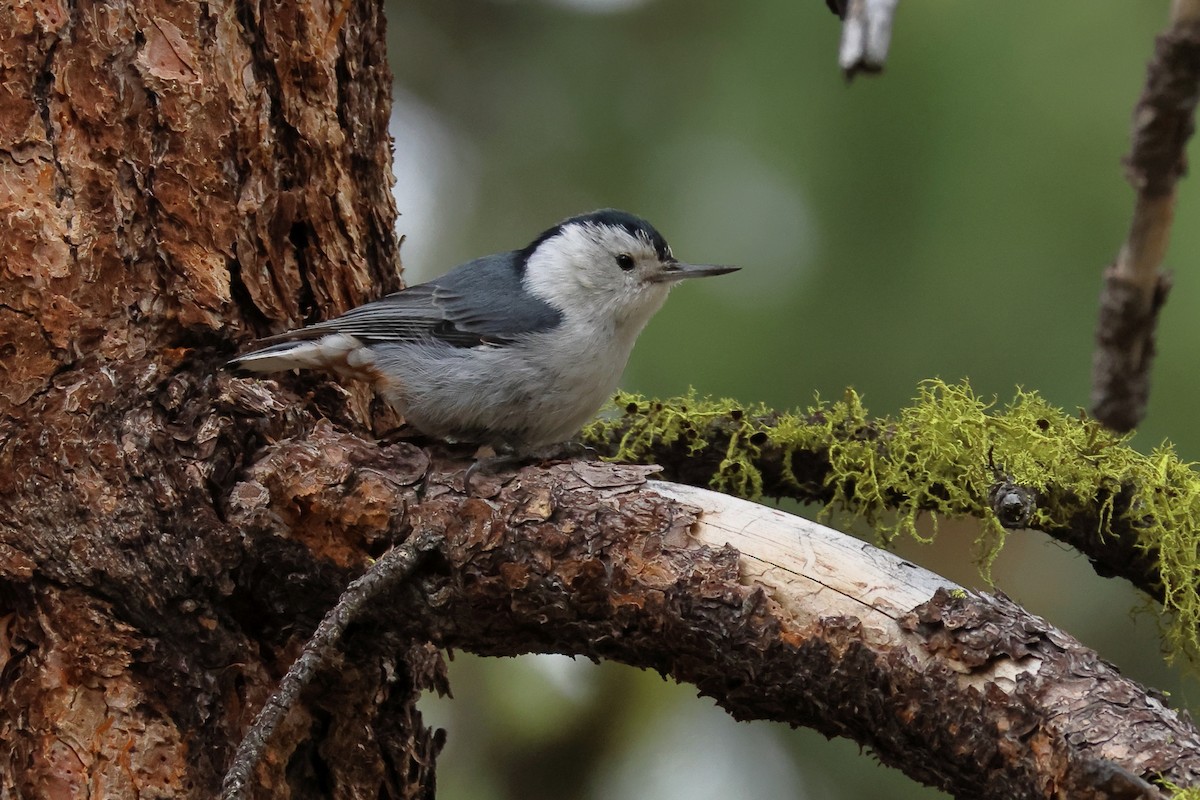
176, 177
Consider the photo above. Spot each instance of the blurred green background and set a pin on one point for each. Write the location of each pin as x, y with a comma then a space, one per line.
950, 218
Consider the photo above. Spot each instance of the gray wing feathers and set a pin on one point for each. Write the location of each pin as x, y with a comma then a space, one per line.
487, 297
480, 302
407, 315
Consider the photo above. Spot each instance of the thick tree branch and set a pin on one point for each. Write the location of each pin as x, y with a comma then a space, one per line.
772, 616
1134, 287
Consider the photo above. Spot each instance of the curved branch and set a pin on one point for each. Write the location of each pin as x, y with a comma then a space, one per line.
773, 616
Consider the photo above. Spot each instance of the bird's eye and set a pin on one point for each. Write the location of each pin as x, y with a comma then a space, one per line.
625, 261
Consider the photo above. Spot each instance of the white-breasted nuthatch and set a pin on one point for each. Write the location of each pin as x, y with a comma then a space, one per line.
516, 349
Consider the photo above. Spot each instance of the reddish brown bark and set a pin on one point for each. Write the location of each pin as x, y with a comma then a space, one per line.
174, 175
582, 559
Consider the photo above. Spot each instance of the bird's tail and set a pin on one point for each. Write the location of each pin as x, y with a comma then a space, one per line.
334, 351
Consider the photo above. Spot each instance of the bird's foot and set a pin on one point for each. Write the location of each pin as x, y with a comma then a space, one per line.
488, 462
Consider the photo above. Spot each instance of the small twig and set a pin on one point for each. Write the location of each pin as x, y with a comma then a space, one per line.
1135, 287
392, 569
866, 33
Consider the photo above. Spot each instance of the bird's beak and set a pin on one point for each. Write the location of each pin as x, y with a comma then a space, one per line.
675, 271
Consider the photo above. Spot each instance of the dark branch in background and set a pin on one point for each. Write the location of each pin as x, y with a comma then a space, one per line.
392, 569
1135, 288
866, 34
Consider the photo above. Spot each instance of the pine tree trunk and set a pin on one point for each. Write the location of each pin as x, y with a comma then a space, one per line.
176, 174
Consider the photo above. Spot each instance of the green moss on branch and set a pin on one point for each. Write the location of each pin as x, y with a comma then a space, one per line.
949, 454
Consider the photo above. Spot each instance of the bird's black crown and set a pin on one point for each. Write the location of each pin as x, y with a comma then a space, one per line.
614, 218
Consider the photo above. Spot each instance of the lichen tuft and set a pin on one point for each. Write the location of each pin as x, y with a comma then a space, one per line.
940, 457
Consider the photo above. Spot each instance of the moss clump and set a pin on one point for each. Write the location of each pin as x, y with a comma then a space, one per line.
683, 420
1180, 793
941, 456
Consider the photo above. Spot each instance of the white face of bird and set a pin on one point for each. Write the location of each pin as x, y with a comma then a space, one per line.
599, 270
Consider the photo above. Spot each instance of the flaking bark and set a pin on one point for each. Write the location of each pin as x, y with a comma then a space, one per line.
174, 175
965, 692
